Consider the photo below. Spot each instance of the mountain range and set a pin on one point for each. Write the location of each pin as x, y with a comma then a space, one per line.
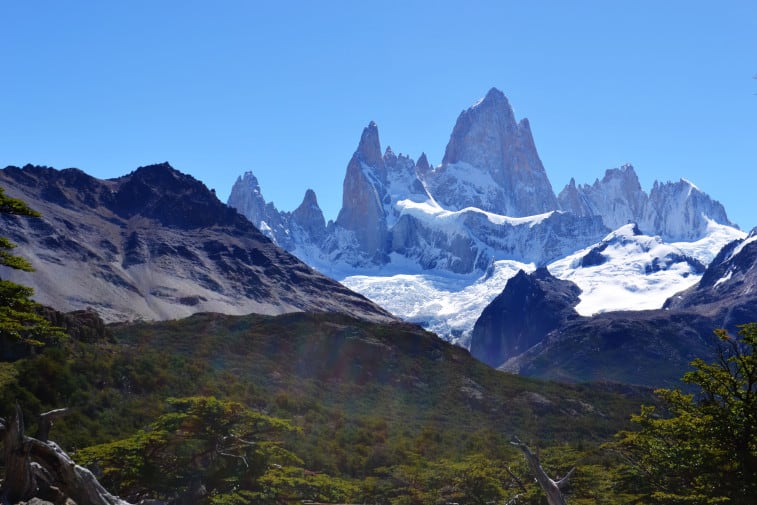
478, 249
435, 245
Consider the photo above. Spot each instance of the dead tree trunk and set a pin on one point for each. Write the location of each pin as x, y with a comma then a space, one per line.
40, 468
550, 487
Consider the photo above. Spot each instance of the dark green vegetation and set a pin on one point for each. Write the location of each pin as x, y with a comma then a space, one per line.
380, 413
260, 409
705, 451
21, 323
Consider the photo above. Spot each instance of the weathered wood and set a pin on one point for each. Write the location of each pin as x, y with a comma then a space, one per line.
550, 487
19, 482
40, 468
46, 422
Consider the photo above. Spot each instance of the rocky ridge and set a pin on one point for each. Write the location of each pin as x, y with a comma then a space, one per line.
490, 199
156, 244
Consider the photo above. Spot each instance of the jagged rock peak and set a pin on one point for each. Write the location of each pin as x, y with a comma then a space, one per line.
495, 99
422, 164
249, 180
626, 172
164, 175
309, 217
158, 172
491, 163
681, 211
521, 316
477, 135
310, 199
369, 149
617, 197
363, 193
247, 198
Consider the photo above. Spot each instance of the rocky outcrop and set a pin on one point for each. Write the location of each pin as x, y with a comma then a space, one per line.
618, 198
403, 181
491, 163
676, 211
650, 347
727, 291
247, 198
679, 211
308, 217
362, 214
522, 315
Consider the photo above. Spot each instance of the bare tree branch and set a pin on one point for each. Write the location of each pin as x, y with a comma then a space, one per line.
550, 487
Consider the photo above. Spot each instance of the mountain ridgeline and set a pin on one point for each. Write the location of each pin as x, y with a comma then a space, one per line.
533, 329
156, 244
489, 199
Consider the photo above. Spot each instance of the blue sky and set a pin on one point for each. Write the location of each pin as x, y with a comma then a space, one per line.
284, 89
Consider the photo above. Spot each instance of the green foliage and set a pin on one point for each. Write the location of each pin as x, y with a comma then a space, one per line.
20, 319
705, 449
383, 414
220, 445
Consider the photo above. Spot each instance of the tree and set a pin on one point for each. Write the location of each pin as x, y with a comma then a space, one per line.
705, 449
204, 450
20, 319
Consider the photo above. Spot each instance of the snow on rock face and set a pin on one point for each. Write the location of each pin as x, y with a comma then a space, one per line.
681, 211
675, 211
491, 163
628, 271
732, 275
402, 182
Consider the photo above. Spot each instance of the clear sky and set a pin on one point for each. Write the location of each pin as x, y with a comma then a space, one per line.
285, 88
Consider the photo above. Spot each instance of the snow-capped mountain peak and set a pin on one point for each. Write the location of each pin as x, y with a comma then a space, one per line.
491, 163
487, 211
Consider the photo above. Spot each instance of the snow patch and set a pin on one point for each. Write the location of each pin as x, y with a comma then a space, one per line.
638, 272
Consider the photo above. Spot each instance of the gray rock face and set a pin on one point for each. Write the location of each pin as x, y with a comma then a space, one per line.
618, 198
675, 211
362, 213
402, 182
728, 288
156, 244
680, 211
491, 163
309, 218
247, 198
